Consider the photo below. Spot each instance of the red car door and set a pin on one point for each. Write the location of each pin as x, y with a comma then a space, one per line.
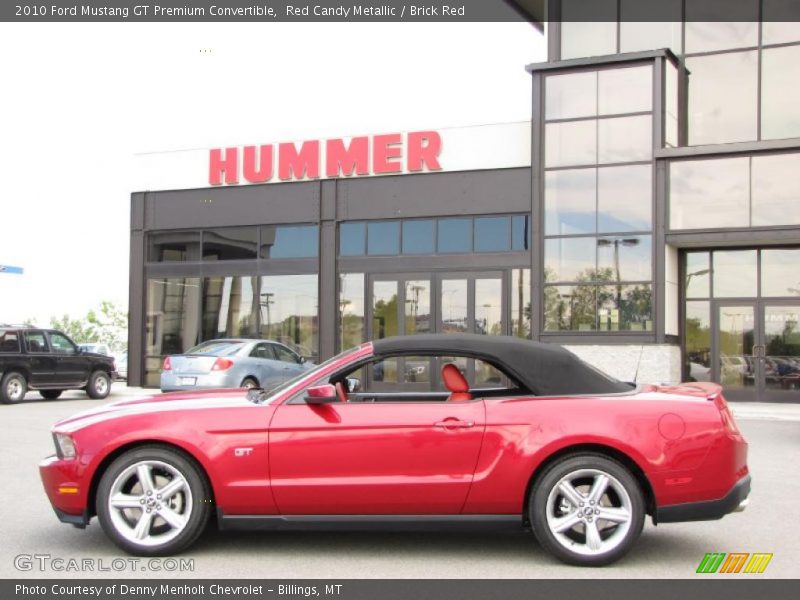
363, 458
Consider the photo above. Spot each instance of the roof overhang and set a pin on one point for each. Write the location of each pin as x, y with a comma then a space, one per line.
532, 10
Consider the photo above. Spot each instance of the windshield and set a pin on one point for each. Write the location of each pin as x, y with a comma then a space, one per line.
216, 348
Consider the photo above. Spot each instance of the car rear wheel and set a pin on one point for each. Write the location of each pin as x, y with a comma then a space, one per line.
249, 383
50, 394
99, 385
13, 388
153, 501
587, 509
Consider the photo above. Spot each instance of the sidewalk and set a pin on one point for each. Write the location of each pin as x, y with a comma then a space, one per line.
741, 410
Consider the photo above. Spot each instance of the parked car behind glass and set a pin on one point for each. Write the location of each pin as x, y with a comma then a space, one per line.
232, 363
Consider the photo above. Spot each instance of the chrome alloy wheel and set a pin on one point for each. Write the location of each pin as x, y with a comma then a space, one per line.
589, 512
150, 503
14, 389
100, 385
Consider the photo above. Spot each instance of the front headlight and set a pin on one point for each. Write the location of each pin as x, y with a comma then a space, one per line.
65, 447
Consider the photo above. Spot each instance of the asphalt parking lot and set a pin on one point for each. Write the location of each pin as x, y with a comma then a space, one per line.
770, 524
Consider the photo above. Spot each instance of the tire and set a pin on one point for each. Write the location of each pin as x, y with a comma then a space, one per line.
559, 513
13, 388
175, 522
99, 386
249, 383
50, 394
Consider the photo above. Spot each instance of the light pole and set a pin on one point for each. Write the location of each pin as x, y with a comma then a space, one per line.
617, 242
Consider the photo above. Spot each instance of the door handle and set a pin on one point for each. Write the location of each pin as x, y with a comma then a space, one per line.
454, 423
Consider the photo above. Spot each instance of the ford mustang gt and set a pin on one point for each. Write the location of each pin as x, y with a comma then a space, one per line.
489, 431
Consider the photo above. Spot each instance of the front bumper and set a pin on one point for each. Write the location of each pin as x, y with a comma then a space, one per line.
710, 510
64, 487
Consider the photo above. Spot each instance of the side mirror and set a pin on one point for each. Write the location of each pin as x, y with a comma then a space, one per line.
321, 394
353, 385
302, 360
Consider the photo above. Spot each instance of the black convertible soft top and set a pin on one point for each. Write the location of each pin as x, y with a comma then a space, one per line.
544, 369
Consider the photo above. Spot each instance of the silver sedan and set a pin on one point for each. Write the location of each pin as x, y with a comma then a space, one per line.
232, 363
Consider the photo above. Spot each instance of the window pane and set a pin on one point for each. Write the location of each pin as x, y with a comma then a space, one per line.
521, 303
571, 143
624, 258
9, 341
489, 306
734, 273
230, 243
778, 32
571, 95
289, 241
455, 235
580, 39
384, 309
775, 191
624, 308
625, 90
454, 306
352, 239
383, 238
418, 307
723, 98
698, 275
418, 237
570, 259
173, 326
570, 201
624, 198
705, 36
626, 139
174, 246
520, 232
780, 273
570, 308
351, 310
780, 94
709, 193
671, 105
289, 312
230, 307
636, 36
492, 234
697, 341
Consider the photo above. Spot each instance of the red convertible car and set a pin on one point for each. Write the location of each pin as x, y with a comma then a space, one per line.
409, 432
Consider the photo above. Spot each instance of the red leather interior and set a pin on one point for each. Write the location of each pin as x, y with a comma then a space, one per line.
456, 383
341, 391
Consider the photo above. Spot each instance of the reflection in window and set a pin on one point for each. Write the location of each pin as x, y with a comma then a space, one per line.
571, 95
734, 273
174, 246
671, 110
624, 258
580, 39
384, 309
230, 307
383, 238
625, 139
419, 236
570, 201
521, 303
571, 143
709, 193
455, 235
418, 307
723, 97
352, 239
570, 308
775, 30
36, 342
776, 194
570, 259
492, 234
697, 341
624, 198
625, 90
520, 232
625, 308
780, 273
454, 306
288, 307
698, 275
636, 35
351, 310
172, 326
489, 306
705, 36
230, 243
780, 94
289, 241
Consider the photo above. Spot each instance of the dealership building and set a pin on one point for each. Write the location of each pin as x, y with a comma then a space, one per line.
645, 217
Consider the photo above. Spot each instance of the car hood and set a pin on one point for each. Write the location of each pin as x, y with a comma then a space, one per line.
177, 401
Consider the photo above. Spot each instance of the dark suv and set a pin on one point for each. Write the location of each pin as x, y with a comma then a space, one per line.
48, 361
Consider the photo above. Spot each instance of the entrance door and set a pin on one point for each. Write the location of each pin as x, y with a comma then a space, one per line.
735, 364
779, 352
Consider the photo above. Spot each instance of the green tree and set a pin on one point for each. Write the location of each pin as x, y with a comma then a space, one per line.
106, 325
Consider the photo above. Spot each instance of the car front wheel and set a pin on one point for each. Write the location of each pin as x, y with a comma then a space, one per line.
587, 509
153, 501
13, 388
99, 385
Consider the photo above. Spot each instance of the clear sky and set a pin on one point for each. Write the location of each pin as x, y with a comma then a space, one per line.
78, 101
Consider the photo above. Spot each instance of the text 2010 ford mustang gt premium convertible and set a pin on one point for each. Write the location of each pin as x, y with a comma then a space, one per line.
422, 431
